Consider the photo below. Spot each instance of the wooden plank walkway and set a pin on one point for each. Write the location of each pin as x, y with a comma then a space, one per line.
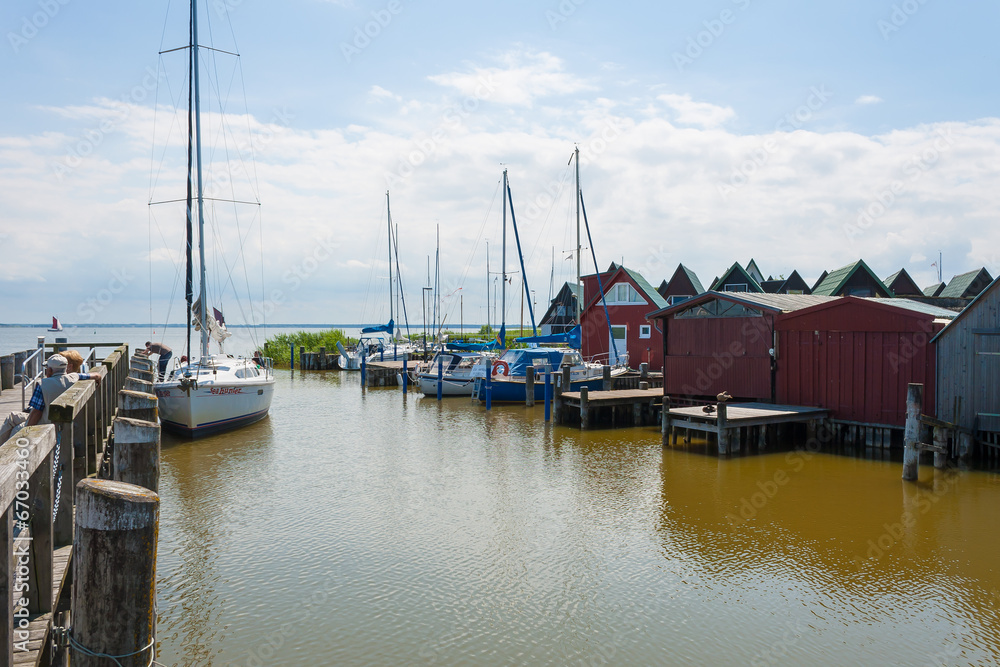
641, 405
10, 401
39, 624
735, 423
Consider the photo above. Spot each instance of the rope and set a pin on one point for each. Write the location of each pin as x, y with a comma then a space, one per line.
80, 648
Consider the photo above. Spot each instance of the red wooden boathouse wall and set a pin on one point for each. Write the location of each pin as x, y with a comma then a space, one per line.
856, 358
706, 356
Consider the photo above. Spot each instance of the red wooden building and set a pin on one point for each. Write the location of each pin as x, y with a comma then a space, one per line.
851, 355
628, 297
855, 357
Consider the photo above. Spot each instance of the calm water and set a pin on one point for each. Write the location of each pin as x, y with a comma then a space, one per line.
357, 528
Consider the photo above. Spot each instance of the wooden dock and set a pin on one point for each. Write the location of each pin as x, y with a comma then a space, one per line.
736, 423
10, 401
386, 373
620, 407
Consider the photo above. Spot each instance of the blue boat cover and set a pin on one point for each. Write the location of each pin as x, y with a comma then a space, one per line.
520, 359
385, 328
571, 338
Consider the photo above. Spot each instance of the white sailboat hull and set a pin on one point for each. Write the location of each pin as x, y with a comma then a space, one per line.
215, 402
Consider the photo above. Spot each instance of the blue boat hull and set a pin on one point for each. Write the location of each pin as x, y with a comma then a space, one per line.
513, 391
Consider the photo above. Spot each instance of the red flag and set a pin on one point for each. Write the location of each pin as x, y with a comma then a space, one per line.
218, 317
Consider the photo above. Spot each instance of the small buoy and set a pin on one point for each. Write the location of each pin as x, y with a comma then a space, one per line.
399, 379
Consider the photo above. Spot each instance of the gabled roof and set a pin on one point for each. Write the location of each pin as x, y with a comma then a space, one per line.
934, 290
641, 284
685, 272
741, 277
567, 295
835, 281
963, 284
914, 308
821, 278
778, 303
755, 271
783, 285
968, 309
901, 284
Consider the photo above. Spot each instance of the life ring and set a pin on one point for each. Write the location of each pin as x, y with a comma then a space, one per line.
503, 366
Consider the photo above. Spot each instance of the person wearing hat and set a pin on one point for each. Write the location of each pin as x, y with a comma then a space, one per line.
55, 382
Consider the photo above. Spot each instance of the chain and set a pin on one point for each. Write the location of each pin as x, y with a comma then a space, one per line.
59, 478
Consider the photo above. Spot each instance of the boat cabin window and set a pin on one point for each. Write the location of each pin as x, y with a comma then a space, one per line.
467, 362
572, 359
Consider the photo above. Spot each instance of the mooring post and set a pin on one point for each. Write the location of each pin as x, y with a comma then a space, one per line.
302, 357
606, 371
489, 388
941, 448
643, 386
406, 376
114, 573
440, 377
665, 419
138, 405
7, 371
911, 454
723, 427
364, 372
291, 356
137, 453
548, 396
585, 407
137, 385
322, 358
644, 371
529, 386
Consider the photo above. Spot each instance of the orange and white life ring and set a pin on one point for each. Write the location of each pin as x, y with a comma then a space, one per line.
501, 367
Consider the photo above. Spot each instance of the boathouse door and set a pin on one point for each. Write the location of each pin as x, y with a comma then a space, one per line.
985, 392
617, 342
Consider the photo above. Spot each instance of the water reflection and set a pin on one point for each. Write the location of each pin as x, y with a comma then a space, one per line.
358, 527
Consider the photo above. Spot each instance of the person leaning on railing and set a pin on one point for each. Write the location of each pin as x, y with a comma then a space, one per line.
55, 382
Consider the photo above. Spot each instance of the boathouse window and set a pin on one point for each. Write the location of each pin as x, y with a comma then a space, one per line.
736, 287
624, 293
718, 308
677, 298
645, 331
560, 310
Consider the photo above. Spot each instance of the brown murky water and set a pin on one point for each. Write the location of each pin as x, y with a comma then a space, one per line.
352, 529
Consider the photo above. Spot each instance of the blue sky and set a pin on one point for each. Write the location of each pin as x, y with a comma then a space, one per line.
804, 135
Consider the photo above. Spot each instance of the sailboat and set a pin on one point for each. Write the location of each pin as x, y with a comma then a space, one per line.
508, 374
56, 324
373, 346
213, 392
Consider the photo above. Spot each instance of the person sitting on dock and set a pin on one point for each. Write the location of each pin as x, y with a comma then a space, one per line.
164, 353
74, 360
55, 382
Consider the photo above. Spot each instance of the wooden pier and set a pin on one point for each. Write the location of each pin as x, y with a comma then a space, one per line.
386, 373
106, 538
618, 407
735, 423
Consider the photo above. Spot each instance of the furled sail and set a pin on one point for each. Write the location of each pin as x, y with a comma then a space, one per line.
216, 330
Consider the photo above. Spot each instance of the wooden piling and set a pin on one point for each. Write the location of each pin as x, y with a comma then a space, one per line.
911, 454
7, 371
585, 407
941, 448
548, 396
114, 573
643, 371
135, 384
665, 419
724, 436
322, 359
137, 453
138, 405
644, 386
145, 376
529, 386
606, 371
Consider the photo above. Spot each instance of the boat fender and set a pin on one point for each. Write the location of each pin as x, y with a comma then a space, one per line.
501, 368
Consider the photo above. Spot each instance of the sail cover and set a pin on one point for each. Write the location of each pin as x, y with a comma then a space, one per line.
571, 338
386, 328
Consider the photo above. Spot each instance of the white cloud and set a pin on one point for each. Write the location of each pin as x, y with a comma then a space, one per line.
522, 78
689, 112
868, 99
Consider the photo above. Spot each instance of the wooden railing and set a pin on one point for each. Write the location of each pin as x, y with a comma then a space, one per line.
39, 469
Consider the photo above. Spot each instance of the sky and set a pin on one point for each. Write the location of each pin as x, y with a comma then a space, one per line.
802, 135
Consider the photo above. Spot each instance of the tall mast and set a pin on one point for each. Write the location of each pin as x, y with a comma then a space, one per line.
579, 289
201, 196
503, 254
388, 219
488, 323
